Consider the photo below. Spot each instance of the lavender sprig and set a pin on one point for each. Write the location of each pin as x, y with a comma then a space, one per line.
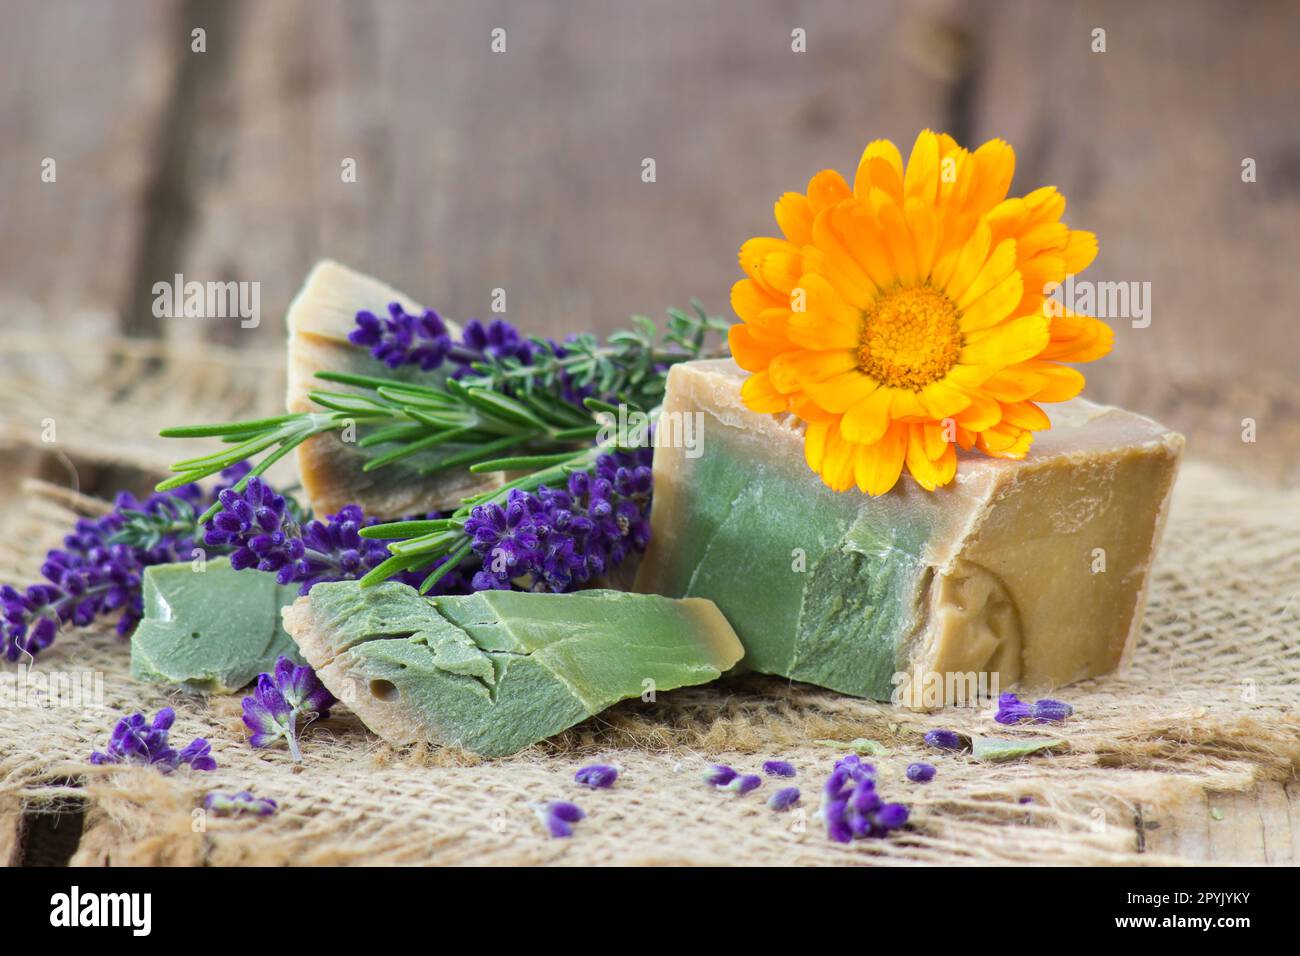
282, 703
138, 741
99, 569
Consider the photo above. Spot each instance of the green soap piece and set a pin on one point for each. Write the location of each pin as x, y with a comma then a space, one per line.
819, 589
497, 671
210, 632
999, 748
920, 598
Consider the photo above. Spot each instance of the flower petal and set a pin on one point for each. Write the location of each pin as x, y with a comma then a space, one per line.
814, 444
826, 189
1008, 343
867, 421
929, 474
922, 177
993, 306
795, 217
751, 352
881, 167
841, 392
759, 396
877, 467
748, 298
790, 371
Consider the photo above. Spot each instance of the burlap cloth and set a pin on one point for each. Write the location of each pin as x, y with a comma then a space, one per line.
1209, 704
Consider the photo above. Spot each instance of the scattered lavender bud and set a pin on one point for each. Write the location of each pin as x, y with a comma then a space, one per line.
778, 768
1048, 711
597, 776
1012, 710
920, 772
558, 816
944, 740
239, 804
135, 741
744, 783
784, 798
719, 775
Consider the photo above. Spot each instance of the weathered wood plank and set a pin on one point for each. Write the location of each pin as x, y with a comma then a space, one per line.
522, 170
1250, 827
82, 83
1147, 141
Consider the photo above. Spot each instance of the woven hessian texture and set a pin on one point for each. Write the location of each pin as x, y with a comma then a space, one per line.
1209, 704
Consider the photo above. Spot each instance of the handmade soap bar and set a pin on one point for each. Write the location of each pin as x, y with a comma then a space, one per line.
210, 632
1028, 573
499, 670
319, 319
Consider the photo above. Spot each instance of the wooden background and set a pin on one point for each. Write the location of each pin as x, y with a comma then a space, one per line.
522, 170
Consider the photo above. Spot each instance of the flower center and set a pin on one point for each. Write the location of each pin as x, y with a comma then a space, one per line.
910, 337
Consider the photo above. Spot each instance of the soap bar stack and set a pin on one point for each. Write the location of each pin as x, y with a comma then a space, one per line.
1030, 573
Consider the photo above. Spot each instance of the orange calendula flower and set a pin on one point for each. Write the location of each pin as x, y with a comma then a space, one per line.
907, 316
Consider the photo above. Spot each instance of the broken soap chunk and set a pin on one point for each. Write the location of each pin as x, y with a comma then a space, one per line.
1030, 573
498, 670
320, 318
210, 632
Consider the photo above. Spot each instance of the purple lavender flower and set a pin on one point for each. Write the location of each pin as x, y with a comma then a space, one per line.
259, 531
783, 799
1011, 710
402, 338
559, 816
280, 701
137, 741
920, 772
778, 768
238, 804
254, 525
851, 807
742, 784
496, 341
597, 776
944, 740
719, 775
560, 538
